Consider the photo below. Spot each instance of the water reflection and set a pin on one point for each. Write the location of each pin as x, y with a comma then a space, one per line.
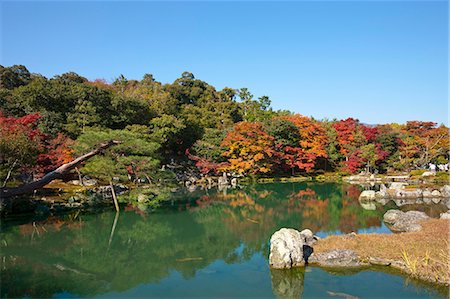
91, 254
287, 283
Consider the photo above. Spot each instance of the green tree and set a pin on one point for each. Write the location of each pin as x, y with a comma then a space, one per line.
71, 77
136, 155
167, 131
370, 156
209, 146
121, 83
14, 76
284, 132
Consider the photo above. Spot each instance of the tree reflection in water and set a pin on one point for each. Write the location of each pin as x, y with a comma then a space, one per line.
82, 255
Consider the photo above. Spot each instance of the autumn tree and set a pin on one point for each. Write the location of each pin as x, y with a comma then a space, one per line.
57, 152
349, 136
207, 151
423, 143
303, 145
352, 141
21, 142
249, 149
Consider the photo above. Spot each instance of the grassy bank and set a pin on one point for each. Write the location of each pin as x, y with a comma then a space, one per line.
424, 255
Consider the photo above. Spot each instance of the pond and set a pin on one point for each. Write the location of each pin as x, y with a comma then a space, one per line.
202, 244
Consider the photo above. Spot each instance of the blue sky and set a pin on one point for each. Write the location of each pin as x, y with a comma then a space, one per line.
379, 61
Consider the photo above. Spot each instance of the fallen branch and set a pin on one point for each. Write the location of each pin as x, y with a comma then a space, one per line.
55, 174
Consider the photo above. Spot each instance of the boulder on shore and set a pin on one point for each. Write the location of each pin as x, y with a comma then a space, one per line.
399, 221
287, 247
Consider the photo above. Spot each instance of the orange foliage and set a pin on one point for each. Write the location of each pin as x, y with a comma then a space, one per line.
249, 149
306, 193
311, 144
58, 153
313, 137
423, 141
100, 83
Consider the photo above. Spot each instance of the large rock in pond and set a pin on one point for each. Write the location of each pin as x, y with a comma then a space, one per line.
287, 247
399, 221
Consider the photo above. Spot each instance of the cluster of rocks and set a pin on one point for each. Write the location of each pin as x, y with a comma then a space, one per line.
399, 190
208, 182
105, 191
84, 201
363, 178
85, 181
401, 195
186, 173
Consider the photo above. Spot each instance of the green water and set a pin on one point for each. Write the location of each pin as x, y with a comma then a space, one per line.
201, 244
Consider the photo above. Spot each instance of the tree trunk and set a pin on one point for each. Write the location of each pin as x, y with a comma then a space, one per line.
148, 178
55, 174
116, 204
9, 173
80, 179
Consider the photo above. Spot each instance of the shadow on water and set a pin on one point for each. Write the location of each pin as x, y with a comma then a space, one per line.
85, 254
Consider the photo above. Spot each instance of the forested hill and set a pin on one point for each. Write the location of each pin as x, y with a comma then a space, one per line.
46, 122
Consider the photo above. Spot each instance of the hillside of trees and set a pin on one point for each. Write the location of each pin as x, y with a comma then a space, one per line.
45, 122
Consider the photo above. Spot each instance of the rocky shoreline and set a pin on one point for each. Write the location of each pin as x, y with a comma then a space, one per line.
421, 251
403, 194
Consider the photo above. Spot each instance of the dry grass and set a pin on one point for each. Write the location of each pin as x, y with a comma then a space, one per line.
424, 254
